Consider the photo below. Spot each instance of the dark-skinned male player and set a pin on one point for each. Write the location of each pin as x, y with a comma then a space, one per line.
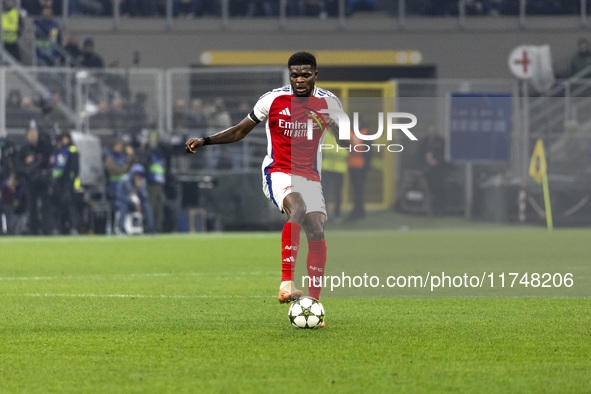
291, 168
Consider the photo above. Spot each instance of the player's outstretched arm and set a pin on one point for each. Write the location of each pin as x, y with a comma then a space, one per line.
232, 134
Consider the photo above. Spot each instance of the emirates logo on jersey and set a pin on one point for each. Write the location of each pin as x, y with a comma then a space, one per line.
299, 129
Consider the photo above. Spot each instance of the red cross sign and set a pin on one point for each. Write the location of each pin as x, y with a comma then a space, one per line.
520, 62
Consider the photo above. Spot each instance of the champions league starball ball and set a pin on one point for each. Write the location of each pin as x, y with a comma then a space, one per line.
306, 312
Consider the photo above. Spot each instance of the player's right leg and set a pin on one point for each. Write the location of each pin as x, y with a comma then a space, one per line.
293, 204
277, 187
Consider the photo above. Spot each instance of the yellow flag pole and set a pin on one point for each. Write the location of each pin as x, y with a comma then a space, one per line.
547, 201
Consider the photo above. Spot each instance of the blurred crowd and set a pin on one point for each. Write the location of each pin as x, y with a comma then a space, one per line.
198, 8
493, 7
117, 113
39, 180
200, 118
50, 48
42, 194
257, 8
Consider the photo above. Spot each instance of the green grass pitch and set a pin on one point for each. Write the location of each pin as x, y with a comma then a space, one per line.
198, 313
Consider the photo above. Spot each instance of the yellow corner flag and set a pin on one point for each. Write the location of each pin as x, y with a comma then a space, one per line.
538, 171
537, 164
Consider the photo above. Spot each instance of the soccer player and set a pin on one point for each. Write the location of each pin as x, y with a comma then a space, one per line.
291, 168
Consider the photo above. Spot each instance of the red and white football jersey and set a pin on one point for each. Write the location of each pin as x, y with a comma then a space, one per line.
289, 147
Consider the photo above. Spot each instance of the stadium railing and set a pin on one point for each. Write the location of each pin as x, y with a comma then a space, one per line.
464, 13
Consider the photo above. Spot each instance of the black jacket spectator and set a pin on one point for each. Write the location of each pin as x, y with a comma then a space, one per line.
90, 59
73, 50
36, 167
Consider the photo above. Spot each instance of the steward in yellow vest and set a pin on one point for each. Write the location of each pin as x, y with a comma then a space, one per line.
11, 29
334, 168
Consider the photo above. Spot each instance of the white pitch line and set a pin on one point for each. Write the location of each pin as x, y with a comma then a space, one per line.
131, 295
177, 296
119, 276
69, 277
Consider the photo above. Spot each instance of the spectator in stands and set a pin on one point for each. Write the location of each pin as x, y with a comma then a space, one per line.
89, 7
313, 7
359, 165
257, 8
72, 48
292, 8
21, 113
53, 116
118, 116
12, 27
117, 80
8, 157
13, 101
117, 163
334, 169
66, 184
29, 109
220, 117
132, 196
197, 119
90, 59
152, 157
138, 113
35, 7
100, 120
35, 165
179, 115
139, 7
75, 7
186, 8
582, 58
48, 38
360, 5
13, 203
439, 7
432, 156
495, 7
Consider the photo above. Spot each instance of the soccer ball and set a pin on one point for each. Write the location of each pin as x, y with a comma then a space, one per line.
306, 312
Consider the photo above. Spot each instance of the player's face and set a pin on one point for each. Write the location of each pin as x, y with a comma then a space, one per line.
302, 80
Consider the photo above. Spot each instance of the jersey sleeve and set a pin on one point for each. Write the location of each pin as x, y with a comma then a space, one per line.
333, 102
260, 111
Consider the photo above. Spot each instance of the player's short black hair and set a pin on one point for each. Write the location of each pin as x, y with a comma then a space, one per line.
302, 59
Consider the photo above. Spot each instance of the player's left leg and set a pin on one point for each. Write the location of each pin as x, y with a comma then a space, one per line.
316, 261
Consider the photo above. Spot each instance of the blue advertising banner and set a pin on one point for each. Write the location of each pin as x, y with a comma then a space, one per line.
479, 126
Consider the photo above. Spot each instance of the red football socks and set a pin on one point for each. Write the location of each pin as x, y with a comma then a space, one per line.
290, 242
316, 263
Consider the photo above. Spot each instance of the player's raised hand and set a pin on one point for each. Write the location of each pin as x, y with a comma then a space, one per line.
193, 144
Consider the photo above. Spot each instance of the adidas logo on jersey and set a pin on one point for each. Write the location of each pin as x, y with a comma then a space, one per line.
285, 112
